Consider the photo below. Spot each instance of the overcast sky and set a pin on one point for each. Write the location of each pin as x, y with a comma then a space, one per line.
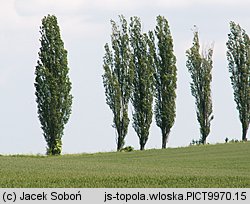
85, 28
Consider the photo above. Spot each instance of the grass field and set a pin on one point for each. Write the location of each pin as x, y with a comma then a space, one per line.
222, 165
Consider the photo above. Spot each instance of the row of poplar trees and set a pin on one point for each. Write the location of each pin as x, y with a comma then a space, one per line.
138, 67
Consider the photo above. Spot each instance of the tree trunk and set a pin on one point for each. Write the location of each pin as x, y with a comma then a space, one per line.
203, 139
164, 140
244, 132
120, 140
142, 146
118, 147
119, 143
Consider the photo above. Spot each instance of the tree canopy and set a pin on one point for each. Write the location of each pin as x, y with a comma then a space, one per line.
52, 84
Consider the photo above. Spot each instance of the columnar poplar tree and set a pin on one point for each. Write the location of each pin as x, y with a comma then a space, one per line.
200, 67
142, 96
165, 77
117, 78
52, 85
238, 55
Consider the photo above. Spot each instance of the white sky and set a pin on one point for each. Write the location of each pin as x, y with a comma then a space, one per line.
85, 28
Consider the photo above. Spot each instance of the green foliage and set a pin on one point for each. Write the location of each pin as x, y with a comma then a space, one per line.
52, 85
127, 149
200, 67
117, 78
57, 148
142, 96
234, 141
165, 77
195, 142
238, 52
214, 166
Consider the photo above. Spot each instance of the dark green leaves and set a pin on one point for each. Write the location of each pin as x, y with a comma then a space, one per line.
142, 97
200, 68
131, 69
117, 78
165, 74
238, 56
52, 85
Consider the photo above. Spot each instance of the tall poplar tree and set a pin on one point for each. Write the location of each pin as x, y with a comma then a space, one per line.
165, 75
117, 78
238, 56
52, 85
200, 68
142, 96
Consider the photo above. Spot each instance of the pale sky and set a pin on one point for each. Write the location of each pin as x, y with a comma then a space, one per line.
85, 28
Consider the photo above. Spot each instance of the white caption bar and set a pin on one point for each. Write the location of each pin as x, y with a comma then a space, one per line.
123, 195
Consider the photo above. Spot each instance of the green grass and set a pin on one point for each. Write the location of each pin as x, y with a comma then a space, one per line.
222, 165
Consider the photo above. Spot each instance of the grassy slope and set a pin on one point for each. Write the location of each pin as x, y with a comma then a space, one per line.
223, 165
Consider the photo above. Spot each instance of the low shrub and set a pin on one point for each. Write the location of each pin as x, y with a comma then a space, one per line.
127, 149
